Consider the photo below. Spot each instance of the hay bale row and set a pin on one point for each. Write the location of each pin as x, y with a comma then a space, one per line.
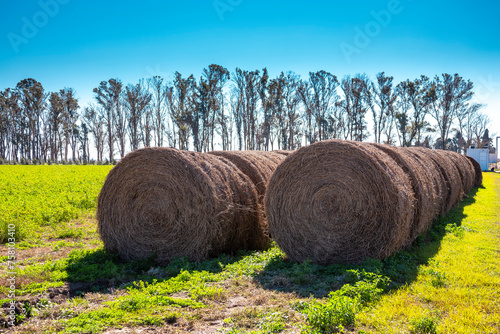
342, 202
176, 203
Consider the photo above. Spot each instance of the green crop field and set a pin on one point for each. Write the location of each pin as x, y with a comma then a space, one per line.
38, 196
448, 281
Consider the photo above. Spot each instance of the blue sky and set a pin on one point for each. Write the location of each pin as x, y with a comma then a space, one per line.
80, 43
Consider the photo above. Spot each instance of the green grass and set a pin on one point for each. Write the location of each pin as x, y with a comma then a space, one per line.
448, 281
34, 196
458, 289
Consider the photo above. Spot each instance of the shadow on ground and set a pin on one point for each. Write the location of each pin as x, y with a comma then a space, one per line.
308, 279
101, 271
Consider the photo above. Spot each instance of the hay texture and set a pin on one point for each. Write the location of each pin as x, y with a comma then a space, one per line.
259, 166
435, 177
478, 173
426, 205
340, 202
175, 203
450, 173
470, 170
464, 168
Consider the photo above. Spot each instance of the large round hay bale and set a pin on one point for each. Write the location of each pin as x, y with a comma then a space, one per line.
450, 174
426, 205
470, 170
478, 172
259, 166
339, 202
434, 175
175, 203
464, 168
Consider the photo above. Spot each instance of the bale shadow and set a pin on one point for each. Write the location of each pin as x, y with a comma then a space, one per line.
308, 279
101, 271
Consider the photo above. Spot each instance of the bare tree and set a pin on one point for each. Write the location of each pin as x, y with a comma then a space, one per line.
32, 98
464, 113
481, 123
380, 98
137, 99
55, 123
354, 106
183, 110
158, 99
14, 124
291, 102
10, 124
323, 96
94, 117
247, 84
277, 98
266, 108
115, 89
70, 117
4, 124
420, 99
448, 94
104, 96
211, 104
236, 101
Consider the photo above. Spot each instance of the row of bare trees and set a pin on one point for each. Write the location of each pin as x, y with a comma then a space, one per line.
240, 110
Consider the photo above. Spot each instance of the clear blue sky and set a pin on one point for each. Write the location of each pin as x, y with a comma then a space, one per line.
82, 43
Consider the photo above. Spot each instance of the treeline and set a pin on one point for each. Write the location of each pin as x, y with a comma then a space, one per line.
242, 110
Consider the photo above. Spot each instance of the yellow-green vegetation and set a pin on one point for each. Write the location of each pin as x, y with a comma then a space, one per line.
34, 196
458, 289
448, 281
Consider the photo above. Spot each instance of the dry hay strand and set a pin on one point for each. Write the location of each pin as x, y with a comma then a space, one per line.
478, 172
426, 205
175, 203
339, 202
450, 174
259, 166
465, 169
434, 175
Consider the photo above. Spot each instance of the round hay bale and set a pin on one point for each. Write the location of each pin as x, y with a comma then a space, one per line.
450, 174
259, 166
175, 203
426, 205
339, 202
434, 175
478, 172
470, 170
464, 168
